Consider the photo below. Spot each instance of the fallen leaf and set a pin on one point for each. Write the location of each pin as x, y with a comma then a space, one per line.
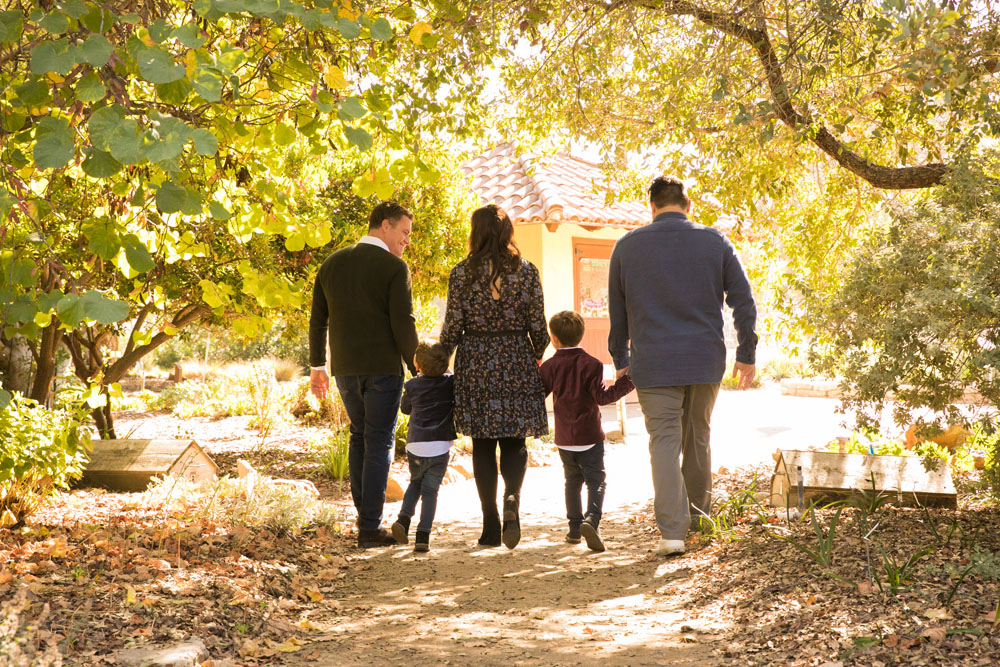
315, 596
934, 634
130, 595
864, 588
289, 646
940, 613
891, 641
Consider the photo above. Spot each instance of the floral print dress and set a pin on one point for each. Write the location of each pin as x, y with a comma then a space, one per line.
498, 389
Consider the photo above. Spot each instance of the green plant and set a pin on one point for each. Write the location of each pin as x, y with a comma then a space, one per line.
402, 430
985, 438
898, 573
726, 515
822, 550
262, 397
309, 410
869, 501
779, 369
868, 442
40, 450
333, 454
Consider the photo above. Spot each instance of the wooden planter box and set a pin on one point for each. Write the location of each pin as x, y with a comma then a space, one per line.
129, 465
830, 476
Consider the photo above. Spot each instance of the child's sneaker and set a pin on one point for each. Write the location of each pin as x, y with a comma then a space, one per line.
591, 533
573, 536
400, 529
422, 543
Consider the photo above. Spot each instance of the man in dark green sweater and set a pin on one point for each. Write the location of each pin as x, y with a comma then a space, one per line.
363, 308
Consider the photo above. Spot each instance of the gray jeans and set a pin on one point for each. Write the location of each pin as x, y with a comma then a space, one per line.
677, 419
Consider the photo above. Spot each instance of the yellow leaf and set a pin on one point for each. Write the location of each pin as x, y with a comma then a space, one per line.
115, 390
170, 330
419, 29
335, 78
43, 319
129, 595
190, 62
315, 596
289, 646
55, 78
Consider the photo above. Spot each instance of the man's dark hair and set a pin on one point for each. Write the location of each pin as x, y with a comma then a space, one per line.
387, 210
567, 326
668, 191
432, 359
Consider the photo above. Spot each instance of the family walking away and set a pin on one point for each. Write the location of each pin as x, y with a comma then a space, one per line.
668, 283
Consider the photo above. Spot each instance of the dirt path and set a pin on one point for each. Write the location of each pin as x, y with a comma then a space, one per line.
544, 603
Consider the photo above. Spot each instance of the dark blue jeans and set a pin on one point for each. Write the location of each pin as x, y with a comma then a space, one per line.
426, 473
372, 404
586, 467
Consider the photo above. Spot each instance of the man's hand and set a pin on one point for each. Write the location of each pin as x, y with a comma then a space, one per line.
746, 373
319, 382
621, 373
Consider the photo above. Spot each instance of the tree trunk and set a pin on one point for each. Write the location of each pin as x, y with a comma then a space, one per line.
104, 419
18, 375
45, 365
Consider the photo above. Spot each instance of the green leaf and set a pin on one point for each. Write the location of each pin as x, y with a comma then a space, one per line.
4, 398
74, 9
205, 142
7, 201
283, 134
348, 28
102, 125
169, 134
90, 88
96, 51
99, 164
126, 142
55, 22
219, 211
33, 93
381, 30
55, 146
98, 307
325, 101
102, 238
189, 36
175, 92
70, 310
12, 25
359, 137
157, 65
351, 109
208, 84
98, 19
137, 254
160, 30
56, 56
171, 198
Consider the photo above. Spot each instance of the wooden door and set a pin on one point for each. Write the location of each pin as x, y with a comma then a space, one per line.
591, 261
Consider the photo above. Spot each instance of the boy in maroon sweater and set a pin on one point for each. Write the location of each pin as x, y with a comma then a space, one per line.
576, 381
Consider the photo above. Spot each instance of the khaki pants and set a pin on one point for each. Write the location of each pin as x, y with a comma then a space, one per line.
677, 419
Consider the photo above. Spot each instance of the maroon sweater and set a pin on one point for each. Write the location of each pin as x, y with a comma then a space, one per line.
576, 381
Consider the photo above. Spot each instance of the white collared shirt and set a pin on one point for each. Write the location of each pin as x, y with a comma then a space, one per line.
370, 240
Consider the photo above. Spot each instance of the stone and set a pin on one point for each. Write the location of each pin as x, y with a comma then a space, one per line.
393, 490
183, 654
461, 470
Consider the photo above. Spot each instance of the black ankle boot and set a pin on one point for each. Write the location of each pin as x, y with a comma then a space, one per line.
491, 529
400, 529
511, 522
422, 543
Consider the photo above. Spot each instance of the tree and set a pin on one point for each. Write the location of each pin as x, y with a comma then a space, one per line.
917, 318
153, 152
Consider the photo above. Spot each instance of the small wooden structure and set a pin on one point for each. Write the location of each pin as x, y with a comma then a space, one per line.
831, 476
129, 465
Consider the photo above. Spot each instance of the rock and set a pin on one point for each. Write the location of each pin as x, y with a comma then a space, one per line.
393, 490
185, 653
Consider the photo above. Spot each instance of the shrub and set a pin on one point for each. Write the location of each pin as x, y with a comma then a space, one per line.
285, 370
256, 501
332, 453
985, 438
40, 450
194, 398
779, 369
313, 412
402, 430
262, 399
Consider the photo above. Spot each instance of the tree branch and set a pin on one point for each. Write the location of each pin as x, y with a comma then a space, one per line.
891, 178
186, 316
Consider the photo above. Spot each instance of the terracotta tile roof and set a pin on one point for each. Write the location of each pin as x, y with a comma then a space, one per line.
558, 188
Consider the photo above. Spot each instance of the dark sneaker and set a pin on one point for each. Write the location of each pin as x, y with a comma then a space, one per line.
573, 536
368, 539
511, 524
422, 543
591, 533
400, 529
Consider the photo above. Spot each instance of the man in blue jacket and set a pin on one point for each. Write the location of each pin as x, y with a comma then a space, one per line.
667, 285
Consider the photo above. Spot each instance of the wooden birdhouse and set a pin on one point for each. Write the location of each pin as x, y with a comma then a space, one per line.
129, 465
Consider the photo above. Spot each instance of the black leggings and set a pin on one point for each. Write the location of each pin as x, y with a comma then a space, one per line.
513, 463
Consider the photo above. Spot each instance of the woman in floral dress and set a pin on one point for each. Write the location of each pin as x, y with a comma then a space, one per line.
496, 320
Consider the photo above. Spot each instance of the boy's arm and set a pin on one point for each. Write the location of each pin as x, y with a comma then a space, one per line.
546, 372
404, 404
607, 395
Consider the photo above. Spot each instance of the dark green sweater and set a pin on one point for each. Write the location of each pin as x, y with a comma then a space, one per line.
363, 298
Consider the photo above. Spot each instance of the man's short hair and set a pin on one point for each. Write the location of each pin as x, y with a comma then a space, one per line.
432, 358
387, 210
668, 191
567, 327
